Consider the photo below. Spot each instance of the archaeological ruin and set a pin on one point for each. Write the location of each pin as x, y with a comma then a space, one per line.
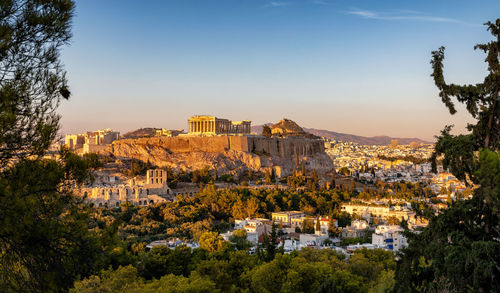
211, 125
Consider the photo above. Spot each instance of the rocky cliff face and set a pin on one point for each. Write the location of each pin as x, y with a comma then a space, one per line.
235, 154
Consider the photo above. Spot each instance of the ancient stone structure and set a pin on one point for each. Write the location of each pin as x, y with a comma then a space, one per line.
156, 176
211, 125
137, 192
74, 141
91, 141
99, 137
169, 132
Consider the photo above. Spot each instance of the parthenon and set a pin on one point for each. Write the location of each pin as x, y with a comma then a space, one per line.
211, 125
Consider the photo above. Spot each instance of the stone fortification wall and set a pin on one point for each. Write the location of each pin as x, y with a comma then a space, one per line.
280, 147
226, 153
285, 147
215, 144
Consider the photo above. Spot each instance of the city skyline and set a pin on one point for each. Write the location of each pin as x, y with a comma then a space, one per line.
353, 67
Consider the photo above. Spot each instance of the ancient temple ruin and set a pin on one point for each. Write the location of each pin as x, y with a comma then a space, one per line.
211, 125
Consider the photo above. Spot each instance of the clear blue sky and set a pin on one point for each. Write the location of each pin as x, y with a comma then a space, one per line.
360, 67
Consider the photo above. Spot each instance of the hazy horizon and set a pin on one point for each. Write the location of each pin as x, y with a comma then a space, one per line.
354, 67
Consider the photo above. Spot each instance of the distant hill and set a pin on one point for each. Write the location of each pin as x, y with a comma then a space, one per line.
375, 140
287, 127
141, 132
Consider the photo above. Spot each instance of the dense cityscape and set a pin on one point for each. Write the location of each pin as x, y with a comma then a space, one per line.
205, 203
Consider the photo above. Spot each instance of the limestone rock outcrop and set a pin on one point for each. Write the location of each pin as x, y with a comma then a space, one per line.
287, 127
235, 154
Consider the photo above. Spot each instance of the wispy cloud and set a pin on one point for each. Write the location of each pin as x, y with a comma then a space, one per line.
276, 4
319, 2
399, 15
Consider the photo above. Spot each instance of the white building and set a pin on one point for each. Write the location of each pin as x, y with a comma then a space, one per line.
390, 236
254, 227
312, 240
357, 229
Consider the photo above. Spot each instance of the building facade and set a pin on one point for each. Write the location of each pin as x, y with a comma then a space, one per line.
286, 218
381, 212
211, 125
390, 236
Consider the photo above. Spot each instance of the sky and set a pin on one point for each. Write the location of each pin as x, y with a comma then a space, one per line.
358, 67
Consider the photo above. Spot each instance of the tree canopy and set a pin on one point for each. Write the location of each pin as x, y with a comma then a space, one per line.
32, 78
460, 250
45, 241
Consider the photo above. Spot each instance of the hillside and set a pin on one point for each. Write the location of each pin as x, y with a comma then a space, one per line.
141, 132
287, 127
374, 140
227, 154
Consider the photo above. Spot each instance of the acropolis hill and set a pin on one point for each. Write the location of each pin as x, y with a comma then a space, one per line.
227, 146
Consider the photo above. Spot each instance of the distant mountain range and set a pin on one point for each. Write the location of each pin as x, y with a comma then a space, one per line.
288, 127
375, 140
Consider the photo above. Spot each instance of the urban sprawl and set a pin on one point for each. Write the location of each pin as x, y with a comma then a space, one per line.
376, 174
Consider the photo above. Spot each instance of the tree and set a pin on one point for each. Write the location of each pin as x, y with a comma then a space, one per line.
162, 260
111, 281
32, 78
212, 242
239, 238
332, 183
266, 131
308, 226
270, 242
45, 242
44, 238
314, 177
459, 249
268, 179
126, 279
